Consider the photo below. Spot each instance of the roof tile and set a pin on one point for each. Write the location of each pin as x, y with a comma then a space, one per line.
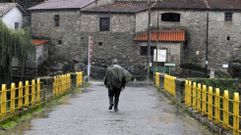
5, 7
62, 4
163, 36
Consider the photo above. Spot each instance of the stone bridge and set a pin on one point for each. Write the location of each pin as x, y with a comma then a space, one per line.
143, 111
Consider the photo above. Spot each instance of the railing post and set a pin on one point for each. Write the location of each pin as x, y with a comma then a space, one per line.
20, 95
26, 94
4, 100
54, 86
199, 97
204, 99
186, 92
217, 105
236, 114
157, 80
225, 109
12, 99
32, 92
174, 86
189, 93
210, 103
194, 99
38, 90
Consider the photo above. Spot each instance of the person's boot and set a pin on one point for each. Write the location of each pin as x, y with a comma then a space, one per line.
111, 103
116, 106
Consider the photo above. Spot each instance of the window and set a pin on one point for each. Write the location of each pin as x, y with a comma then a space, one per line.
100, 43
56, 20
59, 42
228, 16
16, 25
171, 17
105, 24
143, 50
228, 37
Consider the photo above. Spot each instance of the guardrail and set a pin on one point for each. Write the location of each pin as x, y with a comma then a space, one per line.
205, 100
200, 98
168, 84
15, 99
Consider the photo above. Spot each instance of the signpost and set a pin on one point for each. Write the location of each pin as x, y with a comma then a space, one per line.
90, 51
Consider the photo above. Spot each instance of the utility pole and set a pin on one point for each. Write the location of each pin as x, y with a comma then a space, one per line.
206, 62
149, 40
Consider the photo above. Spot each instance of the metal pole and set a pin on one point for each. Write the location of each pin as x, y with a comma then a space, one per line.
206, 62
149, 40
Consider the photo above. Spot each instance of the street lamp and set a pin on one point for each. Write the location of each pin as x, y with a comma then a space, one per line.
149, 37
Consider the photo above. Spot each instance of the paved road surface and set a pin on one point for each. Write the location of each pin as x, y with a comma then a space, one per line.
143, 111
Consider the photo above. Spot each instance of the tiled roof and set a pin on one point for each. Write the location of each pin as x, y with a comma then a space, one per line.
37, 42
62, 4
163, 36
5, 7
120, 7
181, 4
225, 4
133, 7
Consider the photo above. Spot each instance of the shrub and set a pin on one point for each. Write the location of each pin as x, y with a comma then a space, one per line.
235, 68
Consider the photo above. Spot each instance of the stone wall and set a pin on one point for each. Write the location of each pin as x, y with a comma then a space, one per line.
195, 29
116, 43
74, 29
221, 50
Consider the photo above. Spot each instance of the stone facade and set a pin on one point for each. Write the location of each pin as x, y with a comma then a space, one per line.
220, 49
70, 40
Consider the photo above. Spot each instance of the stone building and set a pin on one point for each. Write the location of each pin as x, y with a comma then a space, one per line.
189, 32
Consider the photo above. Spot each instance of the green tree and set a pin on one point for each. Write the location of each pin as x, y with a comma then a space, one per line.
13, 43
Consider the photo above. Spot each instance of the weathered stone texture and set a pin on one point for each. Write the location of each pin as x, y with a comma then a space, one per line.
117, 43
222, 50
195, 27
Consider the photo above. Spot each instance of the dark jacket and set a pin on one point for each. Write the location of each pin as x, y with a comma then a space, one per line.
116, 77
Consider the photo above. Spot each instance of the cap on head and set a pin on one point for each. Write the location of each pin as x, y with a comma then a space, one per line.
114, 61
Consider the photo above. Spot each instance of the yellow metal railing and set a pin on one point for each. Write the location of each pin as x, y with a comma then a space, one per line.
157, 80
18, 97
210, 103
30, 94
170, 84
79, 79
61, 84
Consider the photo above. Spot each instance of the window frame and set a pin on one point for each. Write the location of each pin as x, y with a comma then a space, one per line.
56, 20
166, 17
16, 25
228, 16
102, 26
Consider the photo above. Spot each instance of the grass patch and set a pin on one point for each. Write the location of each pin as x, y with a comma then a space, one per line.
9, 125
